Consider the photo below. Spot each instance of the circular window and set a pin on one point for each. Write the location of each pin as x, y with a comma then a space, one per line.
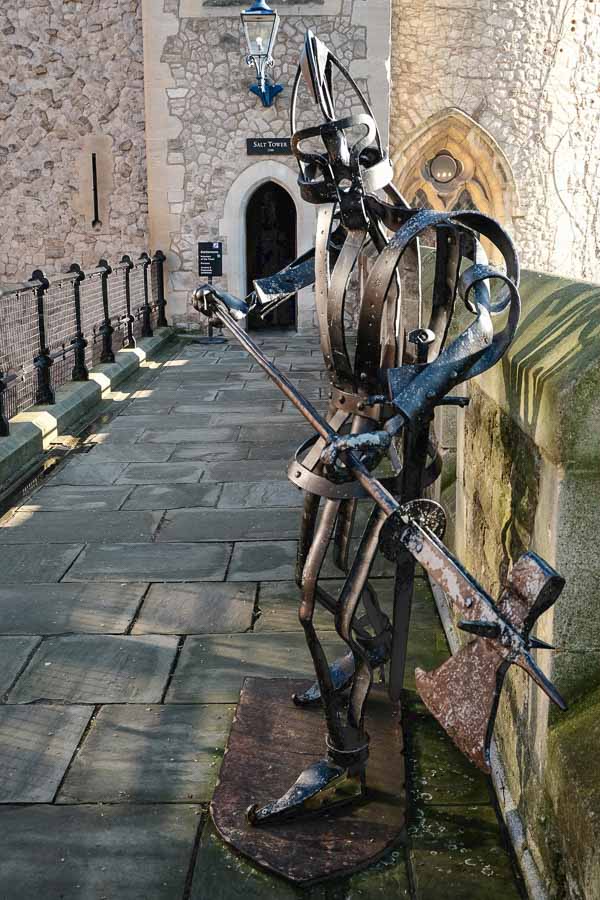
443, 168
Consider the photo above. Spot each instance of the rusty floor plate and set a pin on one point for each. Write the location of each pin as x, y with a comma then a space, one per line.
271, 741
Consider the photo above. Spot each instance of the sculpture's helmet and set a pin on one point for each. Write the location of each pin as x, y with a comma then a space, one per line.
339, 154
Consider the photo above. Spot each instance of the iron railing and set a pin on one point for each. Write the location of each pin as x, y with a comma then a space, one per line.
54, 329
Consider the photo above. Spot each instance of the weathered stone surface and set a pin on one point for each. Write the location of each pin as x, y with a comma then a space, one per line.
161, 473
14, 653
59, 608
275, 433
225, 525
211, 669
386, 879
211, 452
75, 497
152, 562
283, 451
113, 451
220, 874
461, 848
262, 561
173, 496
149, 754
84, 471
260, 495
196, 608
97, 669
19, 565
126, 851
36, 746
252, 470
190, 435
37, 527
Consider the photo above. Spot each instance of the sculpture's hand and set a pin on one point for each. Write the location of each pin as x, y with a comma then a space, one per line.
371, 443
207, 298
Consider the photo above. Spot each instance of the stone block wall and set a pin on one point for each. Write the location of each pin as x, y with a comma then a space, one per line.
528, 477
71, 84
527, 72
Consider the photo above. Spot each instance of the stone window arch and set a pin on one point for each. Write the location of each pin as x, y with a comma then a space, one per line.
483, 179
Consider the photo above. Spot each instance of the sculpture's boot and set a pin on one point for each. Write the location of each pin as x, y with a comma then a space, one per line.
323, 785
341, 672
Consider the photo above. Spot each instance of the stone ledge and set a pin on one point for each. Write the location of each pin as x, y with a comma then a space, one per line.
32, 431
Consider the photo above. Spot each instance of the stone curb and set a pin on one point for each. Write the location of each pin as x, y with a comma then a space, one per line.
32, 431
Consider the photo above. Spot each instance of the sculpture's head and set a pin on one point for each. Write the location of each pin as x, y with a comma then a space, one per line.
340, 159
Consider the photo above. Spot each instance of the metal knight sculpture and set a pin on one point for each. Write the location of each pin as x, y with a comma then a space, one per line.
383, 399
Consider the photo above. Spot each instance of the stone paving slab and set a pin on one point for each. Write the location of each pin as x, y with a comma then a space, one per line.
460, 847
230, 409
36, 746
171, 434
222, 875
85, 471
107, 435
260, 395
19, 565
152, 562
263, 561
283, 452
14, 653
223, 525
197, 608
81, 497
90, 668
252, 470
439, 773
161, 473
149, 754
129, 852
37, 527
60, 608
211, 669
259, 434
211, 452
115, 452
260, 495
150, 422
173, 496
253, 415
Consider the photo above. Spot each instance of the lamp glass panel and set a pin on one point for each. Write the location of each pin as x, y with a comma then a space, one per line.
259, 33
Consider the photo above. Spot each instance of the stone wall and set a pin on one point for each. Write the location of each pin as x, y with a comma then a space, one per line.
71, 84
527, 72
201, 112
528, 478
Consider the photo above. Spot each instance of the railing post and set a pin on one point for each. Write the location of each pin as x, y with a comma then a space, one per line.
4, 426
106, 329
145, 261
129, 341
159, 258
80, 370
42, 361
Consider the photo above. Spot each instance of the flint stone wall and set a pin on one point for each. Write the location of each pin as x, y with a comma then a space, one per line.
71, 83
528, 477
527, 72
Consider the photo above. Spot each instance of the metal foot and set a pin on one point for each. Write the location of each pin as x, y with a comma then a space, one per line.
321, 786
341, 671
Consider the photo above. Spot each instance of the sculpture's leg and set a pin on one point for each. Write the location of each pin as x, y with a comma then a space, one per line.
327, 782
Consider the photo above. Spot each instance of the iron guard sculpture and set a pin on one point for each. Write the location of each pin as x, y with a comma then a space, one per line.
382, 405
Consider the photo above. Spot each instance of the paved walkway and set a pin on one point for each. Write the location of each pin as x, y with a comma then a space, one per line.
140, 581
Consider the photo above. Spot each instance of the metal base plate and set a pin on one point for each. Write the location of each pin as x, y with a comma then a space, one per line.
271, 741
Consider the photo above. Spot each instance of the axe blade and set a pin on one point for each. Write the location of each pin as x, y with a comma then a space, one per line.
463, 692
463, 696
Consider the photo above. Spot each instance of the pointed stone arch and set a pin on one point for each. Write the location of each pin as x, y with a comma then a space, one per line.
485, 174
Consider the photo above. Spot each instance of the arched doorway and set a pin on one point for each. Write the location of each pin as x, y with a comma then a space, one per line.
270, 245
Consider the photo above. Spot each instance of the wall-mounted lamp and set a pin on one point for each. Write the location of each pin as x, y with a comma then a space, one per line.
260, 27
